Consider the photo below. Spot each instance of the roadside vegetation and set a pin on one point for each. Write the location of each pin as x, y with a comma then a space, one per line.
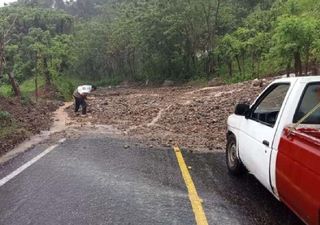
45, 43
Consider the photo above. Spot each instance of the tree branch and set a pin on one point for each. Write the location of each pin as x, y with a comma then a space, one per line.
10, 27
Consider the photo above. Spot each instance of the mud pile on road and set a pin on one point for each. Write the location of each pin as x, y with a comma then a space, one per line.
194, 118
22, 119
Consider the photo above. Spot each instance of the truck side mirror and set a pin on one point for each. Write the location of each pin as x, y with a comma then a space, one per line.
242, 109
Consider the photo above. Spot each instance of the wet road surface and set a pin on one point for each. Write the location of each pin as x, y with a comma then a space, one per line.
95, 180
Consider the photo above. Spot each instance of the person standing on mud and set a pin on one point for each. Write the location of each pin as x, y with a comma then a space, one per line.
80, 95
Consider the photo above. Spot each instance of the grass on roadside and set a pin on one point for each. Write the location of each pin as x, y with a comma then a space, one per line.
27, 87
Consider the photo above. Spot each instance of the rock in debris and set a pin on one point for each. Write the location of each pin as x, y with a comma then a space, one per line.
258, 83
168, 83
255, 83
215, 82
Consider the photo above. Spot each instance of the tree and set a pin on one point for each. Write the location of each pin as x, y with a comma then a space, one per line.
228, 50
7, 24
27, 35
293, 39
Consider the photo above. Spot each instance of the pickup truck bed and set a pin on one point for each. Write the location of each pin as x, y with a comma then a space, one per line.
298, 172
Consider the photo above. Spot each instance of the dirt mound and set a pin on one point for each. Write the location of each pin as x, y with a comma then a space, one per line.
21, 119
194, 118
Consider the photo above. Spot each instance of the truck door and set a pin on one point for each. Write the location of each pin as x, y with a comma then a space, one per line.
258, 131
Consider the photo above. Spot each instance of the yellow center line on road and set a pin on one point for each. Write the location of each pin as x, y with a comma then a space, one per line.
195, 200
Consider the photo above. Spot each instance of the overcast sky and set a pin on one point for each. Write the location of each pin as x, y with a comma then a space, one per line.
5, 1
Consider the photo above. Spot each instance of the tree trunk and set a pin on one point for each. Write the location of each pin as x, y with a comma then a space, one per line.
210, 63
230, 69
216, 30
253, 64
193, 60
134, 62
307, 63
297, 63
14, 84
36, 85
239, 65
216, 21
131, 63
243, 63
258, 67
288, 69
314, 68
46, 73
1, 57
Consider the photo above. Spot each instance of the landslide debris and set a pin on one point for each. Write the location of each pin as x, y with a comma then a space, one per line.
20, 119
193, 118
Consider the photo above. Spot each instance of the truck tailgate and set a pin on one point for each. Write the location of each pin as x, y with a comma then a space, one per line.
298, 173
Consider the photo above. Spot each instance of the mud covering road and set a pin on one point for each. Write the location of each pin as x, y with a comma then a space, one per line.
20, 120
93, 179
191, 117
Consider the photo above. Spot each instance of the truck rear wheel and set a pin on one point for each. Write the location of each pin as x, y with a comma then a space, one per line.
234, 164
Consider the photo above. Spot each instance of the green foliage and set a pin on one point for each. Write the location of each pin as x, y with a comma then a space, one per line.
5, 90
28, 86
295, 37
65, 86
66, 43
30, 48
113, 81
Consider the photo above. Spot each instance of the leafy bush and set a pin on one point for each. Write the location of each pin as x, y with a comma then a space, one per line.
28, 86
5, 90
110, 81
64, 86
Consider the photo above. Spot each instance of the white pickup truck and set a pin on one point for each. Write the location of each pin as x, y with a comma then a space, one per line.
285, 160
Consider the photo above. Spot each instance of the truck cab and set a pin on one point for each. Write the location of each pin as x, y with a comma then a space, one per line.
255, 131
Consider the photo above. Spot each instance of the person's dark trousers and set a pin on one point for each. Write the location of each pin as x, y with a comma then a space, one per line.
80, 102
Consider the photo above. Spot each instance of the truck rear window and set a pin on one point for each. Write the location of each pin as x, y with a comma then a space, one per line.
310, 98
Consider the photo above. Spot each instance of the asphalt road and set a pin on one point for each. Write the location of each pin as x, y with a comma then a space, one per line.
95, 180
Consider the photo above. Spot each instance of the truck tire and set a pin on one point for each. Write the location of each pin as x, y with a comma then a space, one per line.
234, 164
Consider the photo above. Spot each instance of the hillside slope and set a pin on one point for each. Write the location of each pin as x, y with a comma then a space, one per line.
20, 120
